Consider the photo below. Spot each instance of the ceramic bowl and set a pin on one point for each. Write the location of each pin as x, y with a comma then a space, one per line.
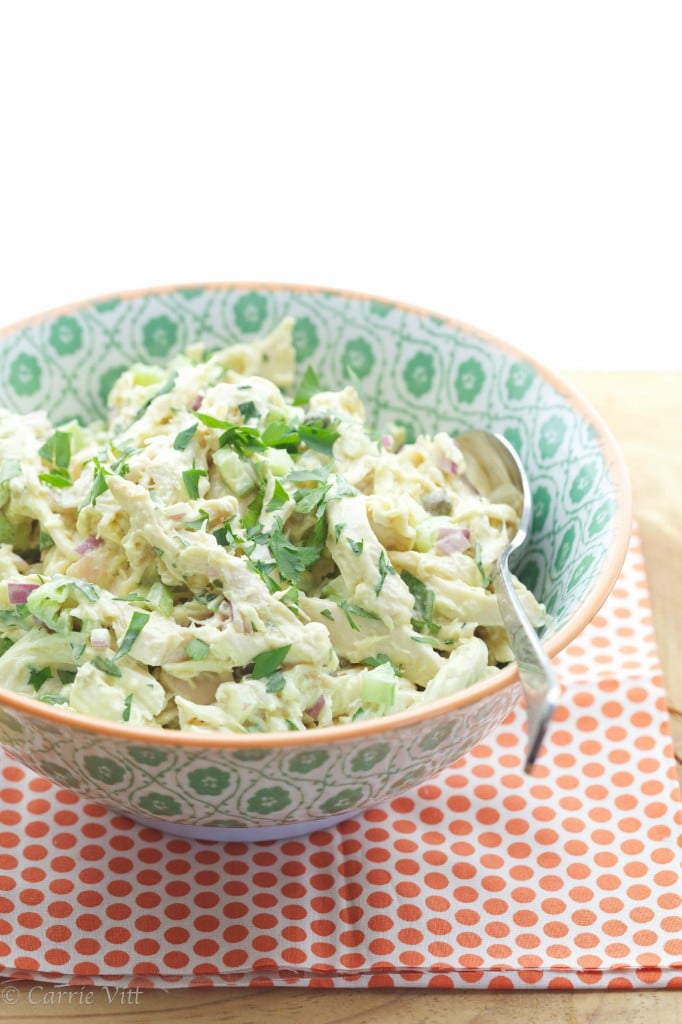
423, 371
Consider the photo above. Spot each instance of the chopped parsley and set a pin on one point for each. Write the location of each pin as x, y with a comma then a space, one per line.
308, 387
312, 499
251, 517
53, 698
99, 483
57, 449
264, 570
267, 662
279, 497
196, 524
281, 434
385, 569
127, 705
351, 611
225, 536
57, 477
120, 467
485, 578
137, 623
318, 435
38, 676
248, 410
108, 667
424, 601
356, 547
292, 560
191, 479
275, 683
184, 437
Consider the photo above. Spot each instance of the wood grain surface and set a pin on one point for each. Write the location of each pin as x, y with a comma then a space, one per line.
644, 412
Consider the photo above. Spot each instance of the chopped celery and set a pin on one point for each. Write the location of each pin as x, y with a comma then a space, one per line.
236, 474
279, 461
144, 375
425, 536
16, 534
160, 598
378, 686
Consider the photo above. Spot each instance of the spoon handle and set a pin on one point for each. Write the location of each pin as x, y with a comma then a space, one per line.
540, 686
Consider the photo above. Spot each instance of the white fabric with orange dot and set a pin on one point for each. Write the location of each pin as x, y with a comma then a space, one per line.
481, 878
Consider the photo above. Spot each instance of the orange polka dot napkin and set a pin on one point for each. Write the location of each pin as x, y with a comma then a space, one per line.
482, 878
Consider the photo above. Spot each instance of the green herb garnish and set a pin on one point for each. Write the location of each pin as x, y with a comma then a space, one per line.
275, 683
308, 387
242, 439
36, 677
317, 434
485, 578
127, 705
196, 524
137, 623
99, 484
107, 666
312, 499
385, 569
264, 569
248, 410
279, 497
281, 434
225, 536
351, 611
291, 559
267, 662
57, 477
190, 478
424, 600
184, 437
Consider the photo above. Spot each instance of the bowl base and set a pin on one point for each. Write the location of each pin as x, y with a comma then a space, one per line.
256, 834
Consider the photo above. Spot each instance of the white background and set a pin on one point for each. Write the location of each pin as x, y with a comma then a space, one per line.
513, 164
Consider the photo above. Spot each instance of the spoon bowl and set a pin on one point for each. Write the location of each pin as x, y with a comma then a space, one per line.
498, 468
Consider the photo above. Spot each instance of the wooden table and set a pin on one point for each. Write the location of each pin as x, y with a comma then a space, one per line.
644, 411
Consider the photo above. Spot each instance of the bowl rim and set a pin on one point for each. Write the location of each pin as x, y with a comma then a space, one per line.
606, 580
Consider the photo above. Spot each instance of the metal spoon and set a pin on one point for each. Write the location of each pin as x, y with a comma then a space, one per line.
496, 464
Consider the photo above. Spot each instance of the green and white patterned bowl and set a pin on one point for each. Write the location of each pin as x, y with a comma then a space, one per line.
423, 371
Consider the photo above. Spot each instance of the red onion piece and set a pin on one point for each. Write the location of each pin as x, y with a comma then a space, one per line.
387, 442
89, 544
315, 709
18, 592
448, 465
451, 539
99, 638
197, 403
